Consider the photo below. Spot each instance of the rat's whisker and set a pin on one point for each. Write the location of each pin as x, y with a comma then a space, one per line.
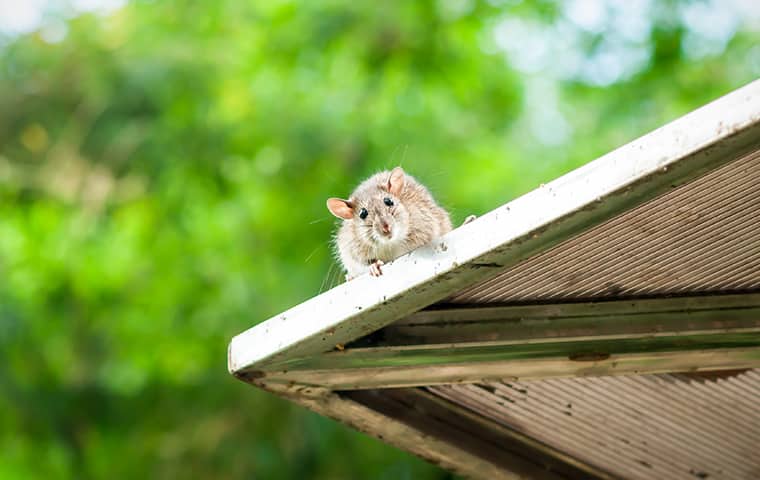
327, 279
312, 253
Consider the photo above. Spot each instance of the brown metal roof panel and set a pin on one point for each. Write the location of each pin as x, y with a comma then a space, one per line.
642, 427
703, 236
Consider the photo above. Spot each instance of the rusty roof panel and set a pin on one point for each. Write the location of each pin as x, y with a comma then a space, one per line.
702, 236
670, 426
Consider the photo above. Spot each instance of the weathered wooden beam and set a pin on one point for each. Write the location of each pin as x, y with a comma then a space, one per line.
495, 364
543, 323
541, 341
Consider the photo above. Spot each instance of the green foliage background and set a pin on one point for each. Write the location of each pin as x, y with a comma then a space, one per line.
163, 171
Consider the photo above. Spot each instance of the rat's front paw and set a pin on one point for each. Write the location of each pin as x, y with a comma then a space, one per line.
374, 268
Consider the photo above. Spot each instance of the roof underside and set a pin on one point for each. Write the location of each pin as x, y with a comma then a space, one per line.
635, 426
582, 331
666, 426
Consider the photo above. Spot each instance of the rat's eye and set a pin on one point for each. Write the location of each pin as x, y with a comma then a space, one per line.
363, 213
388, 201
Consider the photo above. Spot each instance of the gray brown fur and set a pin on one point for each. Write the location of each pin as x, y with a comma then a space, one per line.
414, 220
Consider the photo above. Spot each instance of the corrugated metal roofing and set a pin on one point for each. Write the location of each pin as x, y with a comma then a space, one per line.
666, 426
703, 236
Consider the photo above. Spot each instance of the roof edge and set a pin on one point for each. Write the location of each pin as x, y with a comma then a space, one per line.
617, 181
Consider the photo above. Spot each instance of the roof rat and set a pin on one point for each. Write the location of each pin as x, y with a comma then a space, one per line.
388, 215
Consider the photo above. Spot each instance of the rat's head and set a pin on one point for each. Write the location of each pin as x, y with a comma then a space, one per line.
376, 208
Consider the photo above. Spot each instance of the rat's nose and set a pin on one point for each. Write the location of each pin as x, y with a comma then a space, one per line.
386, 228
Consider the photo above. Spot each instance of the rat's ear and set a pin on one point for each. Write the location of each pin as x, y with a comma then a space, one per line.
396, 181
341, 208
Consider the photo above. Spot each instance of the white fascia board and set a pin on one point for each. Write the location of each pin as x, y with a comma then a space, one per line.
617, 181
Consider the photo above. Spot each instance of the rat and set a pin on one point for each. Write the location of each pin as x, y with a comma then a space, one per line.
389, 214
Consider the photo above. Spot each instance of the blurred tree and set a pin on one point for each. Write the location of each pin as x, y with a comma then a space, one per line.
163, 170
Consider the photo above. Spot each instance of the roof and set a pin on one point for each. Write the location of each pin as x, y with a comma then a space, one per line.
604, 325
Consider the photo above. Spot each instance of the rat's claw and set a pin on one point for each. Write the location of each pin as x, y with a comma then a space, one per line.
469, 219
374, 268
